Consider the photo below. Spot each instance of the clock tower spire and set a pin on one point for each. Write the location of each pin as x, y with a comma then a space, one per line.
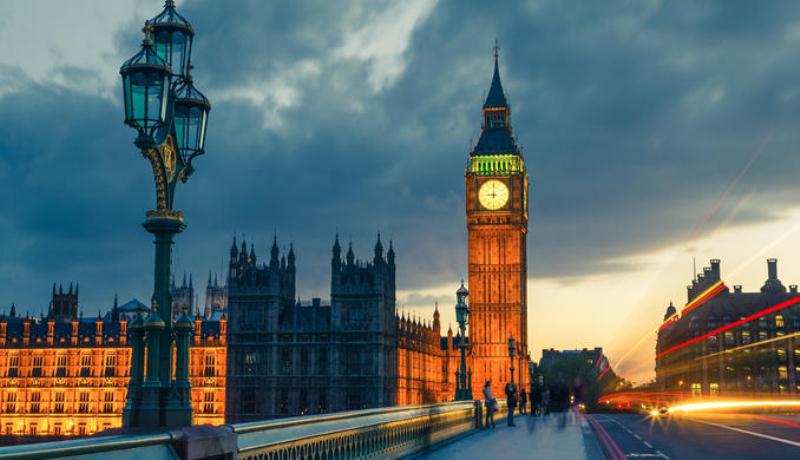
497, 226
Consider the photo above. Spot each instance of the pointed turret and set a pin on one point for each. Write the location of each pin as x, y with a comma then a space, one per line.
350, 256
252, 254
273, 252
183, 285
337, 249
390, 254
208, 285
436, 323
13, 312
190, 281
378, 250
234, 251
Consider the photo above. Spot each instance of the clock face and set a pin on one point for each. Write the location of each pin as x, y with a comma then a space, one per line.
493, 194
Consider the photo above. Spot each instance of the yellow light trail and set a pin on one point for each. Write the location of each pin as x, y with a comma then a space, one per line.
700, 406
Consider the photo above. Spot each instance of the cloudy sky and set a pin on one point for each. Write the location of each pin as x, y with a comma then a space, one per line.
654, 132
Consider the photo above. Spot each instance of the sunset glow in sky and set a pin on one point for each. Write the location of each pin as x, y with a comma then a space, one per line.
653, 133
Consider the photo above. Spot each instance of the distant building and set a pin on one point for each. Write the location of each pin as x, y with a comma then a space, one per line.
65, 374
291, 358
216, 299
725, 342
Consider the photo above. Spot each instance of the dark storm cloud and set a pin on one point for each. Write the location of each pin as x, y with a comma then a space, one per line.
633, 116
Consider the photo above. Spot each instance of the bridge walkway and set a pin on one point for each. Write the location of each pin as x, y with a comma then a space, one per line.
555, 436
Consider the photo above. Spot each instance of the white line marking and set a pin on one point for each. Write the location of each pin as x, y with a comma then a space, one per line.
636, 455
647, 444
662, 455
637, 436
751, 433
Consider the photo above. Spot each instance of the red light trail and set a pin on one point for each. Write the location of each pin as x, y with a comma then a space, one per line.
732, 325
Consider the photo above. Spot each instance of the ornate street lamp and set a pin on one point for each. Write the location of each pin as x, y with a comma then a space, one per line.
170, 116
463, 389
511, 352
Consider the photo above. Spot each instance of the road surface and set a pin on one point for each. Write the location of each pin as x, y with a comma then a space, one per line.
706, 436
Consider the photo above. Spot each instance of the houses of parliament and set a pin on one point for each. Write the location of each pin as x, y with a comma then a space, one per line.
260, 353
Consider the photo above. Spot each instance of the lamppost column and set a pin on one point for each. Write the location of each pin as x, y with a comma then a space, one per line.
164, 225
179, 410
150, 410
134, 397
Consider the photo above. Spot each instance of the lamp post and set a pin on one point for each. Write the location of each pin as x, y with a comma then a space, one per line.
170, 117
463, 389
531, 372
511, 352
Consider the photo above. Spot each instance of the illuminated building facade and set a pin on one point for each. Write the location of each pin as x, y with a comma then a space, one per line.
66, 375
725, 342
291, 358
497, 226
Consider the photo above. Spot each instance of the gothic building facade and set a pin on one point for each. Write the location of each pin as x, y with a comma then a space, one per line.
724, 342
291, 358
64, 374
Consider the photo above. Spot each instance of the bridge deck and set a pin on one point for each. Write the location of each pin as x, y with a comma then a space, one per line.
555, 436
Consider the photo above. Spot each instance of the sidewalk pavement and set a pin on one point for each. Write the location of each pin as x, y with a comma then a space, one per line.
565, 436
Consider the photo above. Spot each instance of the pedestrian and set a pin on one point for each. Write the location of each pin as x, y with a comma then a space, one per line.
523, 401
490, 404
511, 399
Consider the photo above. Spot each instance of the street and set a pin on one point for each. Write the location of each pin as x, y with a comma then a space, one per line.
702, 436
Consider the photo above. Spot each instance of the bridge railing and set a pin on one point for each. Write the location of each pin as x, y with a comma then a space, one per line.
392, 432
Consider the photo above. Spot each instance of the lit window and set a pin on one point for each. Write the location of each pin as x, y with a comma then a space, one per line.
779, 321
745, 336
36, 399
713, 389
83, 407
697, 389
58, 408
86, 366
111, 365
108, 402
36, 371
11, 403
13, 365
783, 373
208, 402
61, 365
211, 361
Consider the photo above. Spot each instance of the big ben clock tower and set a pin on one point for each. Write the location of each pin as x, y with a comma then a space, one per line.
497, 227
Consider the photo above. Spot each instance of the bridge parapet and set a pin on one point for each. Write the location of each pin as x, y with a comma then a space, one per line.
392, 432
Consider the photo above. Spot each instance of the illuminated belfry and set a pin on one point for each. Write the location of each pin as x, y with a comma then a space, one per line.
724, 342
497, 224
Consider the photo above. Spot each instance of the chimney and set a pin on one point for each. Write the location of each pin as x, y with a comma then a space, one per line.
74, 338
51, 328
715, 272
123, 331
98, 332
772, 269
198, 329
793, 288
737, 288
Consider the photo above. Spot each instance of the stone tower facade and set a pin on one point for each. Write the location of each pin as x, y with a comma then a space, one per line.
216, 298
260, 302
364, 328
64, 305
497, 226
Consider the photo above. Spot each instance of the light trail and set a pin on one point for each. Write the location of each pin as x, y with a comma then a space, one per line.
617, 364
749, 345
711, 405
732, 325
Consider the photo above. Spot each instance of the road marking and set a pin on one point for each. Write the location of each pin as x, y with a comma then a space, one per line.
637, 436
647, 444
636, 454
662, 455
751, 433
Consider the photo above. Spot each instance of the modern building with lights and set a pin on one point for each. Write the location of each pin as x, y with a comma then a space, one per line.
64, 374
727, 342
